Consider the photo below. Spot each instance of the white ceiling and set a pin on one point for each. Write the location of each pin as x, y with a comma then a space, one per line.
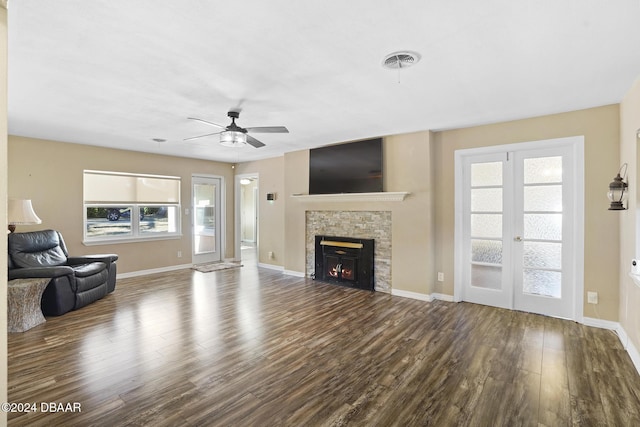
119, 73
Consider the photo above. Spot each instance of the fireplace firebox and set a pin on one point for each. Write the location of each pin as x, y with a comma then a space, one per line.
345, 261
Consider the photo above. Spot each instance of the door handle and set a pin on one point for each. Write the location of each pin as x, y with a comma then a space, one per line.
518, 239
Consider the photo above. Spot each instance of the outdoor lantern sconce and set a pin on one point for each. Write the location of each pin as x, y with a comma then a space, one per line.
618, 191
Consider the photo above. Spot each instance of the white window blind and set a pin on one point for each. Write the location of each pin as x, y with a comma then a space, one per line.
110, 187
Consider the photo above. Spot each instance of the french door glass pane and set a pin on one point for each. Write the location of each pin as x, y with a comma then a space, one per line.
486, 174
543, 226
486, 251
542, 260
486, 276
542, 255
543, 198
542, 282
486, 200
486, 225
543, 170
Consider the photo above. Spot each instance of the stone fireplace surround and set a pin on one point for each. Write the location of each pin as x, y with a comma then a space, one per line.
359, 224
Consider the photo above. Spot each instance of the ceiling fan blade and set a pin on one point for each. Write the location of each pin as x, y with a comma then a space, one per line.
204, 121
268, 129
254, 142
202, 136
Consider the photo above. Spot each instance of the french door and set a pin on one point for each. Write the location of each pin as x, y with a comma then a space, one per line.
519, 228
206, 219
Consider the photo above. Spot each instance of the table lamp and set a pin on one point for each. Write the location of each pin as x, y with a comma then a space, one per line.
20, 212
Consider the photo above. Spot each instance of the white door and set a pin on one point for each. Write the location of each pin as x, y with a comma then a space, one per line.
519, 230
487, 215
206, 219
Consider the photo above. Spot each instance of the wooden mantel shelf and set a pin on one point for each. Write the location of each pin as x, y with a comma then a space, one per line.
385, 196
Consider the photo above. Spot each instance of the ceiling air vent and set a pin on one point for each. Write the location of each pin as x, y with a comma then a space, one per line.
398, 60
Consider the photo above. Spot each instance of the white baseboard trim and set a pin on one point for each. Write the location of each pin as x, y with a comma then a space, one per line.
152, 271
422, 297
281, 268
293, 273
442, 297
412, 295
599, 323
632, 351
634, 354
271, 266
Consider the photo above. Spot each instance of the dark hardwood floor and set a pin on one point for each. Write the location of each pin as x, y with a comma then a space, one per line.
254, 347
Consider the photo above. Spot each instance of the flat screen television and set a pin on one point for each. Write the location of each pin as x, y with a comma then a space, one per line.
353, 167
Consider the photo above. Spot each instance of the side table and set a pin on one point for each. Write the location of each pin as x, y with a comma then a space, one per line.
23, 303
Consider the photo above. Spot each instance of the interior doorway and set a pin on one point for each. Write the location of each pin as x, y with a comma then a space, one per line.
247, 224
249, 210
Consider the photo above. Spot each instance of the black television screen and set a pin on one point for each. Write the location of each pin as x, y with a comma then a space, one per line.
354, 167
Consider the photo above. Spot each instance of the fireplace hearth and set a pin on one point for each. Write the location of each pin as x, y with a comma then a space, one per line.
345, 261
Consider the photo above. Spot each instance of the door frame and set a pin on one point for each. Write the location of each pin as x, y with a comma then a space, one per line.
220, 213
576, 143
238, 213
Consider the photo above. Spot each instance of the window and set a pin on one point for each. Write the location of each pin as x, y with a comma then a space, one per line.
122, 206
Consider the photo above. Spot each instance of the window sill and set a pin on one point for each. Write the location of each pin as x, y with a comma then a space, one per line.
116, 241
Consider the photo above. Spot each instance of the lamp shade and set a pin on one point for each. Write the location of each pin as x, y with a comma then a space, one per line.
231, 138
20, 212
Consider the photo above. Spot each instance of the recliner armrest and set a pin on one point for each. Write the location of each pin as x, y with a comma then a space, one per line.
85, 259
40, 272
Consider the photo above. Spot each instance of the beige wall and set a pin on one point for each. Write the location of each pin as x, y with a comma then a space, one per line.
270, 214
50, 174
296, 174
600, 127
629, 239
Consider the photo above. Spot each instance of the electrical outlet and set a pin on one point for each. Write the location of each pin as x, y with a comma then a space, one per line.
592, 297
270, 255
179, 254
440, 277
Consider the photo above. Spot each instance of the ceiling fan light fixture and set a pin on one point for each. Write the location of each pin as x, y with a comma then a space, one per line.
236, 136
231, 138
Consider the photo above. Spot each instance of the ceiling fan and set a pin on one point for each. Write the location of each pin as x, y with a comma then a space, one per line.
234, 135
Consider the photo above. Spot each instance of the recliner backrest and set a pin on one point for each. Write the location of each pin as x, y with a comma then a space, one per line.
37, 249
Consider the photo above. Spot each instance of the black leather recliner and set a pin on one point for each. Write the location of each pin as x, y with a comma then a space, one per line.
75, 281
